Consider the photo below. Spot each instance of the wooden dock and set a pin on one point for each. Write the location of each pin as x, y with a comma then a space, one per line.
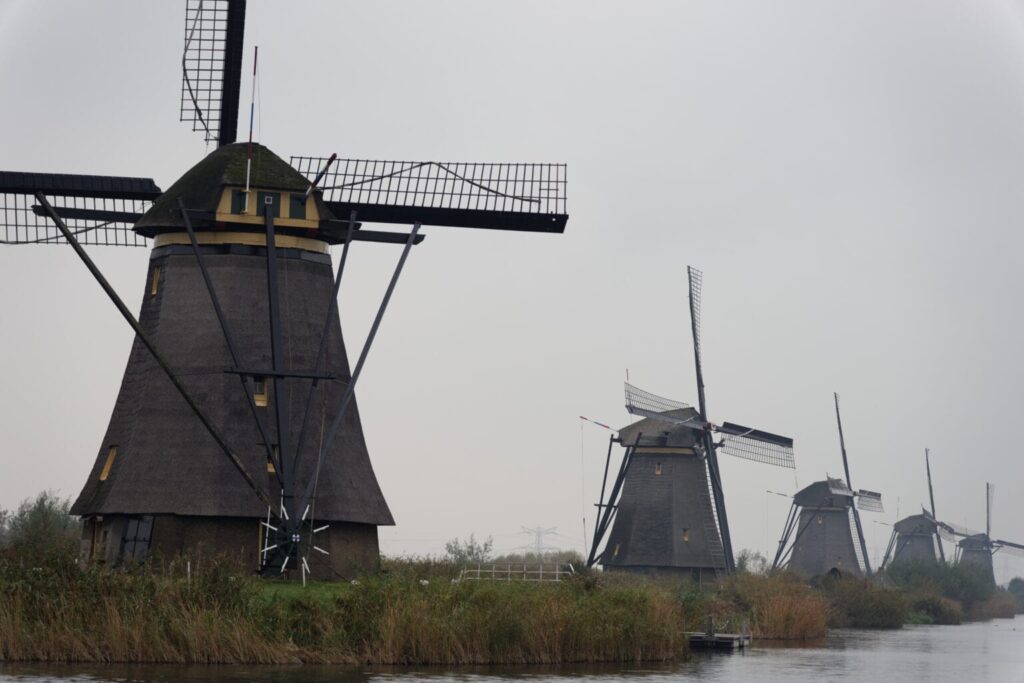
718, 641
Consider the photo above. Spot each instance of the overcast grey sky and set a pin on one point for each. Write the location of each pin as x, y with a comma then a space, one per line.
847, 175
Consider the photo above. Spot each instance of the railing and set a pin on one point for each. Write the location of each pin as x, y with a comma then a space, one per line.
517, 572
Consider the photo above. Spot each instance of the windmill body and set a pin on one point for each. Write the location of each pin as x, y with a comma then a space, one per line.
665, 523
825, 531
976, 551
916, 539
235, 431
665, 512
159, 480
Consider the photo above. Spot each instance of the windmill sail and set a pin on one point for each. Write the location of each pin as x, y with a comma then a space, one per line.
211, 67
100, 210
1008, 547
759, 446
870, 501
510, 196
645, 404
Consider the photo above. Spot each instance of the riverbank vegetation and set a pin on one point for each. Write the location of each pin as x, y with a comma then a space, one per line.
425, 611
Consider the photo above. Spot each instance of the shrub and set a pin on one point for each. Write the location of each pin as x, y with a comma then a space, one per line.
39, 525
862, 603
469, 551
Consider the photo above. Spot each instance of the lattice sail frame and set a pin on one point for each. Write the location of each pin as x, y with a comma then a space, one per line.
696, 279
202, 66
740, 446
870, 501
507, 187
739, 442
22, 222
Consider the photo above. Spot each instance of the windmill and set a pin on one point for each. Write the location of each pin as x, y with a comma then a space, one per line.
823, 532
918, 537
236, 428
976, 548
665, 512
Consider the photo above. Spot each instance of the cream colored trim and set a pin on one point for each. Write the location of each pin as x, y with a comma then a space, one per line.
247, 238
663, 449
223, 213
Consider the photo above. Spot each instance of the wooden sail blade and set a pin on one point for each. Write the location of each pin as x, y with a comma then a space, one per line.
495, 196
211, 67
871, 501
757, 445
100, 210
1009, 547
645, 404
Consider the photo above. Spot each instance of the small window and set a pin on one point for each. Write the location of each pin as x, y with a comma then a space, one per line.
297, 205
275, 202
239, 201
270, 463
155, 284
615, 553
259, 391
657, 469
686, 535
135, 542
111, 455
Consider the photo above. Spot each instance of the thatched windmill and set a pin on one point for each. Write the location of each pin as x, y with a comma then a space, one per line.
917, 538
823, 532
665, 512
236, 428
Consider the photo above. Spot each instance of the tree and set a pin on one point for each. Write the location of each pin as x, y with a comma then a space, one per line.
469, 551
751, 561
38, 524
1016, 589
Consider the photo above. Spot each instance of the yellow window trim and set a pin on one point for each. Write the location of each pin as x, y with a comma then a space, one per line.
155, 285
259, 397
111, 455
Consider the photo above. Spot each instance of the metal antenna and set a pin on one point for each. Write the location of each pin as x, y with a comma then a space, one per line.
849, 485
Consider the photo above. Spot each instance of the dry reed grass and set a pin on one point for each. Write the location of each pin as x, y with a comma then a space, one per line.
58, 612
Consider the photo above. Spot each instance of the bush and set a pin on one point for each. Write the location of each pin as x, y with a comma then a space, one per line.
469, 551
1016, 588
40, 525
935, 609
928, 583
863, 603
780, 606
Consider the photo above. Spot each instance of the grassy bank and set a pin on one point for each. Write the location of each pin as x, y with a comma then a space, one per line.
57, 612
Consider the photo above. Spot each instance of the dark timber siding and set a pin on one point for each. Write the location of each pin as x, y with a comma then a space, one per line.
825, 542
665, 522
166, 462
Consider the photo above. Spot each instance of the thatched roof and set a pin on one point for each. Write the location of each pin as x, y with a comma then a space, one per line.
200, 188
823, 494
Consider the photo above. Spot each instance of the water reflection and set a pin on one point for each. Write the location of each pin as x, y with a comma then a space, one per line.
992, 651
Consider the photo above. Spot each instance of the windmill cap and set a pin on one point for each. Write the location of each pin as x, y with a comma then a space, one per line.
922, 523
200, 188
822, 493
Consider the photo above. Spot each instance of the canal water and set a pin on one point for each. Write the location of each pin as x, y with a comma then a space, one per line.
990, 651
